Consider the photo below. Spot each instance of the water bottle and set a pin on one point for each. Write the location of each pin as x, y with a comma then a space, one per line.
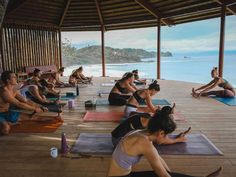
64, 146
77, 90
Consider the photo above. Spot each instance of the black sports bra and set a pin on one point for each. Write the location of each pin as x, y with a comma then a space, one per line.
121, 89
138, 98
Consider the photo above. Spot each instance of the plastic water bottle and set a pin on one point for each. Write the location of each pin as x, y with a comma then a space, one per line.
64, 146
77, 90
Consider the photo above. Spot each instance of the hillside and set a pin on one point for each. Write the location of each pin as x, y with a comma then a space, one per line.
92, 55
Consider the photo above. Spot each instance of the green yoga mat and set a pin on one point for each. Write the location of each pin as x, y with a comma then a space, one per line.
101, 102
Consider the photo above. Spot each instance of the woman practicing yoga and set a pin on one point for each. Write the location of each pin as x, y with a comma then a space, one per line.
118, 95
142, 96
227, 92
140, 121
139, 144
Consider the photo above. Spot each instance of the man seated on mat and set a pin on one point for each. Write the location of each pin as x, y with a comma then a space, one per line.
139, 143
137, 80
10, 96
140, 121
120, 92
142, 96
227, 92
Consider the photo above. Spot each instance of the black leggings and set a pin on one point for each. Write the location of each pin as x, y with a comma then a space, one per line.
117, 99
153, 174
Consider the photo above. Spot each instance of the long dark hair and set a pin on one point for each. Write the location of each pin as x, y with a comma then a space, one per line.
161, 121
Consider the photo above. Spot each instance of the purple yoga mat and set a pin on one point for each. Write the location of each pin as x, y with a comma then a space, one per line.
100, 143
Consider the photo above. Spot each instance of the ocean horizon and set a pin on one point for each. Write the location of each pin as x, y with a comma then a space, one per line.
189, 68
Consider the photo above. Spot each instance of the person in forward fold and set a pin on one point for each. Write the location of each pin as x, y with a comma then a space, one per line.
142, 96
137, 80
139, 121
55, 79
137, 144
206, 90
120, 92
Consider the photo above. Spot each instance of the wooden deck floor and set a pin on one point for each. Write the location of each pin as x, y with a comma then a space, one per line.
27, 155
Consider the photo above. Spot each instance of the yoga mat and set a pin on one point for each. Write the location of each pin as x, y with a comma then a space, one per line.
227, 101
158, 102
63, 98
29, 126
100, 143
112, 116
178, 116
101, 102
107, 84
103, 92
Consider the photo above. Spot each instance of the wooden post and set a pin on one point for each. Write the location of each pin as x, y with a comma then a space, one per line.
103, 53
1, 47
60, 54
158, 48
222, 40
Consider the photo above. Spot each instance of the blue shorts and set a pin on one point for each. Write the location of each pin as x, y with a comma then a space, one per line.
9, 116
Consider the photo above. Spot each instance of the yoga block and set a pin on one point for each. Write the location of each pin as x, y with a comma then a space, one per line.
89, 104
70, 94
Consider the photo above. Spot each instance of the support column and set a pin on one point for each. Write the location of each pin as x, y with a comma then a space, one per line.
60, 54
103, 53
222, 40
158, 48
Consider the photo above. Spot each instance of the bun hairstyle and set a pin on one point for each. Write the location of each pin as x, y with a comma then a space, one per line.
161, 121
214, 70
154, 86
127, 76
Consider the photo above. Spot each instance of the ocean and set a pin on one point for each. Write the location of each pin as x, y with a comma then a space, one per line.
191, 69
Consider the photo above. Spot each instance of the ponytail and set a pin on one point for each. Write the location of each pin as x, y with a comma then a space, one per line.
154, 86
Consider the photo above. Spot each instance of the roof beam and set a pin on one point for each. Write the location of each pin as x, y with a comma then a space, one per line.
64, 12
227, 3
100, 15
156, 13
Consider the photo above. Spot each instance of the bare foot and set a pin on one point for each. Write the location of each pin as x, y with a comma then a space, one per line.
193, 92
215, 173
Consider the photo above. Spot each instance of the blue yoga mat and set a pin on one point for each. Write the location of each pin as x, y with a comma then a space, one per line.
227, 101
101, 144
64, 98
101, 102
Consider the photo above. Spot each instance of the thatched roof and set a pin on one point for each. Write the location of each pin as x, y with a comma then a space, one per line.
89, 15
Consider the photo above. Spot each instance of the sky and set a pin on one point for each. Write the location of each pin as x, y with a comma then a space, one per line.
201, 36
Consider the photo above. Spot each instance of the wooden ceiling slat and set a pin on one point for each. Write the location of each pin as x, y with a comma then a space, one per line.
121, 9
130, 16
154, 11
202, 9
116, 14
